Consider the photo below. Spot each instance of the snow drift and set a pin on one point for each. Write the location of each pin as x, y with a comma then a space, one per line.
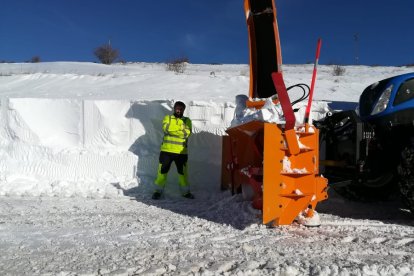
51, 144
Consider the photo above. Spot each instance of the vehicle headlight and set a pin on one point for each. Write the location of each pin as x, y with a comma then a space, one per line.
383, 101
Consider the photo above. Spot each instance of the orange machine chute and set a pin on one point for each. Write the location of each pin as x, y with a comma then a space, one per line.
274, 165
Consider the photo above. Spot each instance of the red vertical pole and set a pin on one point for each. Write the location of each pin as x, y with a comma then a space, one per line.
315, 69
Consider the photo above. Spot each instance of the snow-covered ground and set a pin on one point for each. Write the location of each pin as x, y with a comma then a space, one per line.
79, 148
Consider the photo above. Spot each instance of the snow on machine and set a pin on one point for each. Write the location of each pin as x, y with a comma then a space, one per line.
267, 157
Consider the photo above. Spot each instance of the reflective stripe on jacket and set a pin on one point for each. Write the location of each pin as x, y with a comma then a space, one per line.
176, 133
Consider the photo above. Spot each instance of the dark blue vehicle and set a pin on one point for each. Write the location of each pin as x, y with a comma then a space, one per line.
389, 99
369, 152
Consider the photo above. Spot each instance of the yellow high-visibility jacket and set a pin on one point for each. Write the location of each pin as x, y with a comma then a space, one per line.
176, 133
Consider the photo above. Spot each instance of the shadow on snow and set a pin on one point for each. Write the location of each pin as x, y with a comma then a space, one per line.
211, 203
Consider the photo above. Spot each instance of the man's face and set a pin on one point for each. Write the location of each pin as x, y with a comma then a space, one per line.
178, 111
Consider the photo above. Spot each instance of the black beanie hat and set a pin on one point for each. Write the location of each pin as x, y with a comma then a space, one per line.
178, 103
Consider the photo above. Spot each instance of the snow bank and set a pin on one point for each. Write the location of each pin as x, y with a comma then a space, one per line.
101, 148
68, 147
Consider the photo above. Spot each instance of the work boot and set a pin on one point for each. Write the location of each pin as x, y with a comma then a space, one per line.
188, 195
156, 195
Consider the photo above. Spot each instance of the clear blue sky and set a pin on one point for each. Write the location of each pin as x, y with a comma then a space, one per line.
205, 31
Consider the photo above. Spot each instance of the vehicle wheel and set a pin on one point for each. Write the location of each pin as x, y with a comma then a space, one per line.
372, 188
406, 174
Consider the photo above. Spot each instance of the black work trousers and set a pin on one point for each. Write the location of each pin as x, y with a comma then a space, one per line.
166, 159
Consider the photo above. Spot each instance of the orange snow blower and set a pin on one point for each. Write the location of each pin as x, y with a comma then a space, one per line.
275, 165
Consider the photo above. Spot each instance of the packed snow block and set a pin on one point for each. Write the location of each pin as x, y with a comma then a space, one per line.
12, 126
210, 116
105, 125
58, 143
54, 122
146, 132
210, 121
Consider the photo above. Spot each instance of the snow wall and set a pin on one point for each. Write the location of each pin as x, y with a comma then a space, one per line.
101, 148
105, 148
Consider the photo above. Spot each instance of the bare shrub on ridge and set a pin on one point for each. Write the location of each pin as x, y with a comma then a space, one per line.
338, 70
177, 65
35, 59
106, 54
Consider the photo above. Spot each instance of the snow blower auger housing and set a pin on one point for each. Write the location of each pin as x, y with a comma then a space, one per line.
275, 165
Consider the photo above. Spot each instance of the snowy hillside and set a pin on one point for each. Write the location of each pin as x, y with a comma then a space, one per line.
79, 151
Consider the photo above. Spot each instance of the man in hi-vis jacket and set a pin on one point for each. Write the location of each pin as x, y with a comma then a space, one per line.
177, 129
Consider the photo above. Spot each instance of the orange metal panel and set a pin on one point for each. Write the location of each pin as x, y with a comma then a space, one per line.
286, 194
255, 152
245, 147
291, 141
273, 185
